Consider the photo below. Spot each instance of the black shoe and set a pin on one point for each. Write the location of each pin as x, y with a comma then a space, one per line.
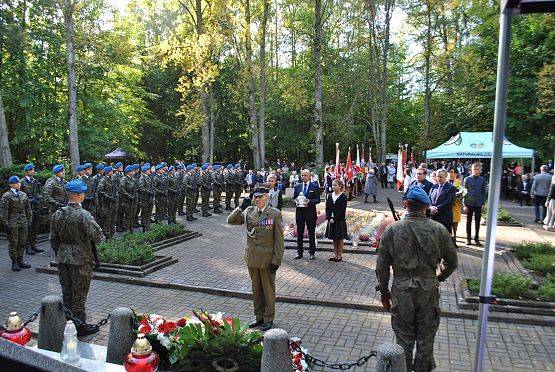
217, 211
266, 326
298, 256
477, 242
181, 213
196, 210
206, 214
86, 330
15, 266
536, 221
23, 264
228, 208
312, 257
189, 218
29, 251
256, 323
37, 250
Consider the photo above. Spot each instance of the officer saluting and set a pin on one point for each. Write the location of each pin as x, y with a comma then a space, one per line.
414, 247
263, 253
73, 236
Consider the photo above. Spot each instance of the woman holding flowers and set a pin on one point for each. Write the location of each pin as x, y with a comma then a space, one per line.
336, 206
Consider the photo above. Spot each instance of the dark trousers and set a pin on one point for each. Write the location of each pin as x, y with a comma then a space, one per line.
523, 198
383, 181
311, 226
540, 200
477, 212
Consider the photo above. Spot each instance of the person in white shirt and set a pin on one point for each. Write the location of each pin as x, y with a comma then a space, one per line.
293, 179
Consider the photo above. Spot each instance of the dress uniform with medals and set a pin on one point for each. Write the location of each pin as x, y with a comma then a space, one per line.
263, 253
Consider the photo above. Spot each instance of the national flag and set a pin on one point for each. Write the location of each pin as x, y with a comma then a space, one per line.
337, 163
400, 175
358, 158
349, 170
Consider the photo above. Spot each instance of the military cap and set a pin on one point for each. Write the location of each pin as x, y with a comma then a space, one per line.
194, 165
204, 167
100, 166
158, 167
79, 168
76, 186
58, 168
181, 166
190, 167
29, 167
259, 191
237, 166
230, 166
118, 164
128, 168
163, 164
145, 167
172, 168
87, 165
136, 166
108, 169
417, 193
13, 179
217, 167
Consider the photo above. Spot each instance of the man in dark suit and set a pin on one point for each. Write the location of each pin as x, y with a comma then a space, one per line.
306, 215
421, 181
442, 195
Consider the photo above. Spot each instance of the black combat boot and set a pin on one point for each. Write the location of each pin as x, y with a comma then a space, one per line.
196, 210
218, 211
37, 250
23, 264
29, 251
190, 218
206, 214
181, 213
15, 266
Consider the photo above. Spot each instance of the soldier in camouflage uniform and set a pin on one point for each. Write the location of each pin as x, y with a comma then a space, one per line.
87, 180
54, 192
161, 189
107, 202
146, 195
136, 205
127, 190
15, 214
217, 185
173, 195
95, 181
196, 184
73, 236
118, 176
238, 187
229, 181
181, 172
189, 187
30, 186
414, 247
205, 189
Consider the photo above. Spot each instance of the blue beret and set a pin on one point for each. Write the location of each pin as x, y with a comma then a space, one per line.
163, 164
194, 165
237, 166
172, 168
230, 166
87, 165
204, 167
13, 179
108, 169
181, 166
417, 193
76, 186
158, 167
29, 167
118, 164
79, 168
136, 166
99, 166
58, 168
190, 167
217, 167
129, 168
145, 167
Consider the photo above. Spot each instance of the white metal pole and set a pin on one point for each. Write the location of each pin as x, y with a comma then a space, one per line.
500, 116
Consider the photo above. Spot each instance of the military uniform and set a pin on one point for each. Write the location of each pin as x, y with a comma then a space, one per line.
205, 189
238, 187
15, 214
196, 190
73, 230
161, 189
217, 186
30, 186
414, 247
172, 197
87, 203
181, 198
107, 205
146, 199
265, 247
118, 176
127, 191
189, 185
95, 181
54, 193
229, 181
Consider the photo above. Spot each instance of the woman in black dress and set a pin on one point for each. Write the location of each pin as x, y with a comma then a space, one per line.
336, 205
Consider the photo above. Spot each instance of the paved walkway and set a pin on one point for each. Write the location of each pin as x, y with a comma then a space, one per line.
336, 334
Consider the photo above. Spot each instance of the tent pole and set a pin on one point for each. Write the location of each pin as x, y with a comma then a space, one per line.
500, 117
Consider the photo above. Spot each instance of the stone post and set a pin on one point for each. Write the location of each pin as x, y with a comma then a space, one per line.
121, 336
276, 356
52, 323
392, 353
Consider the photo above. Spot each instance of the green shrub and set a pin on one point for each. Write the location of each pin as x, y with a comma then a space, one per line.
502, 214
525, 250
125, 252
546, 291
542, 263
511, 285
474, 285
288, 202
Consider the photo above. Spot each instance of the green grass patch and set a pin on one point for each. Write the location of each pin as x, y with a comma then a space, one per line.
502, 214
538, 257
518, 287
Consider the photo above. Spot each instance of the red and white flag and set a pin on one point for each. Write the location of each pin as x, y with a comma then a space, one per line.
349, 170
337, 163
400, 175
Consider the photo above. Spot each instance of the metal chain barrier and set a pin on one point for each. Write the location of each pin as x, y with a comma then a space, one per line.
311, 360
79, 322
33, 316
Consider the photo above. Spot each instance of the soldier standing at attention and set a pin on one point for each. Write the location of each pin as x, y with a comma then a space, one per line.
30, 186
95, 181
118, 176
146, 195
217, 185
54, 192
108, 200
263, 253
189, 186
196, 184
229, 181
15, 214
414, 247
161, 192
136, 205
73, 236
238, 187
180, 181
173, 195
126, 198
87, 180
205, 188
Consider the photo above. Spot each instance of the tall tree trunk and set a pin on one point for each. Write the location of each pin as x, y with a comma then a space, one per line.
6, 155
212, 122
318, 130
427, 61
262, 85
204, 104
69, 7
252, 104
389, 4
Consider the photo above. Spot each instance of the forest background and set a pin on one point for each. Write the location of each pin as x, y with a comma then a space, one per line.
258, 80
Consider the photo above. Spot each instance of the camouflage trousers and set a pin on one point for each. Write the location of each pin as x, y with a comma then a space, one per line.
172, 207
228, 196
128, 215
181, 202
107, 221
415, 314
75, 281
217, 198
33, 229
160, 205
197, 196
237, 194
205, 199
146, 212
17, 236
190, 204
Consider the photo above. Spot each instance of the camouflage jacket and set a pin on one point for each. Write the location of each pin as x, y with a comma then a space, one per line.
146, 187
238, 179
118, 176
95, 181
108, 191
72, 232
206, 181
172, 185
414, 247
54, 192
180, 176
127, 188
161, 185
31, 187
218, 180
189, 183
15, 211
229, 179
89, 182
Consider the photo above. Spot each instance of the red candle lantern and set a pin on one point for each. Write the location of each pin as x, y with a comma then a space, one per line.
141, 358
14, 330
